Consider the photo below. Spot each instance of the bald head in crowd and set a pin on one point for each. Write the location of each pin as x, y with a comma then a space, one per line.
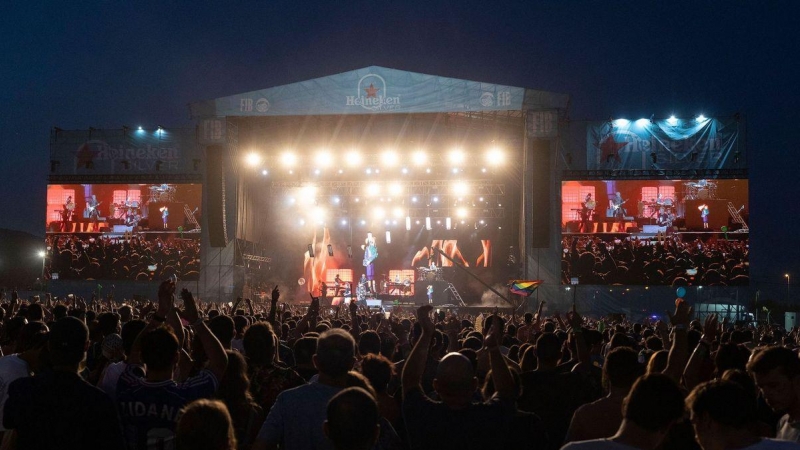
455, 380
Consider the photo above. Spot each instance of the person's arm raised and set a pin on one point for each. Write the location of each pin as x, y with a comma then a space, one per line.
217, 358
501, 374
166, 290
415, 364
678, 353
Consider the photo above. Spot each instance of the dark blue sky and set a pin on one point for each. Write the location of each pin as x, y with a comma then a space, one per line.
106, 64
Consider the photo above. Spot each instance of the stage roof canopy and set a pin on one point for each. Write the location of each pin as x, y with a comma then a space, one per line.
376, 89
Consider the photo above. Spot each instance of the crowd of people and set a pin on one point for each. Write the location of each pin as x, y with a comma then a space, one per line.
129, 258
669, 260
174, 374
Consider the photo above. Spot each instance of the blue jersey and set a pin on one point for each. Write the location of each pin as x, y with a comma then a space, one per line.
149, 411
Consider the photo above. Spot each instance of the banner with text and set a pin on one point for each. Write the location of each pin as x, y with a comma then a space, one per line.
704, 143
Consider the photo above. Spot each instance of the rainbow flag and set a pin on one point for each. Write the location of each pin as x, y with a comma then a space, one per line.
524, 288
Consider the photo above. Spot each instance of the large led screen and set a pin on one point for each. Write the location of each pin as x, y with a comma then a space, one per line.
655, 232
123, 231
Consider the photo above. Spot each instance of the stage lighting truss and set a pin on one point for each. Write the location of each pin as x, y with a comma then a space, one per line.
412, 198
256, 258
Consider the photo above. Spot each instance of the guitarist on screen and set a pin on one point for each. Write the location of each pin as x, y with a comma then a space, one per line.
616, 205
91, 207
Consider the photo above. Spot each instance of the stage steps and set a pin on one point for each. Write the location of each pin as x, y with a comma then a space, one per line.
190, 216
456, 295
737, 218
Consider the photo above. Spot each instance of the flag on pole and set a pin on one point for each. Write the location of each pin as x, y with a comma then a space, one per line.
524, 288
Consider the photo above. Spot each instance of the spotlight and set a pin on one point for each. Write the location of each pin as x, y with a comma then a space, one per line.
253, 159
289, 159
455, 169
428, 224
672, 120
140, 129
428, 170
363, 222
330, 250
456, 156
389, 158
461, 212
388, 237
373, 190
414, 199
353, 158
397, 212
264, 172
408, 223
642, 122
368, 171
435, 199
448, 223
336, 200
460, 188
395, 189
495, 156
344, 222
316, 171
405, 171
379, 213
311, 250
419, 157
701, 118
324, 159
621, 122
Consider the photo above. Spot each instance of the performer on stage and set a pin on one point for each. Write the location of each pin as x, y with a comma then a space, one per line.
616, 204
361, 290
67, 213
164, 215
92, 206
704, 213
370, 253
430, 294
338, 286
587, 208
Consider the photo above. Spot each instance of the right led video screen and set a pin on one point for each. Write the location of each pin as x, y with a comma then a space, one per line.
655, 232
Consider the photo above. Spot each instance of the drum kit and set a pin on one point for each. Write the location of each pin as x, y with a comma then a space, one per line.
700, 190
162, 193
664, 211
129, 212
429, 274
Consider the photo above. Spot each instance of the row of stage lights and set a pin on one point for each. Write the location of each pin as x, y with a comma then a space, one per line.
643, 123
448, 223
309, 194
353, 159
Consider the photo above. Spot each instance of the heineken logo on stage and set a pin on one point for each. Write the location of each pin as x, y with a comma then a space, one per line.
372, 94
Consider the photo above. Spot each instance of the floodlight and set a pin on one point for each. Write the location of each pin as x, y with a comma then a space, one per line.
253, 159
395, 189
456, 156
373, 189
353, 158
419, 157
289, 159
495, 156
460, 188
621, 122
324, 159
397, 212
701, 118
461, 212
389, 158
642, 122
672, 120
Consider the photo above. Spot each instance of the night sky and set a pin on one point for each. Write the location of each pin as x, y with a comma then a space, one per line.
108, 64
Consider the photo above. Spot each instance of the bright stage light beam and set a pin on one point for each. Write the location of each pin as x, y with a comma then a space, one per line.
495, 156
456, 157
373, 190
354, 158
389, 158
460, 188
289, 159
397, 212
253, 159
461, 213
419, 158
395, 189
379, 213
324, 159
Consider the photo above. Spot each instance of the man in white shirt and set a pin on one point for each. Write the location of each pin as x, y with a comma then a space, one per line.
32, 338
776, 371
722, 415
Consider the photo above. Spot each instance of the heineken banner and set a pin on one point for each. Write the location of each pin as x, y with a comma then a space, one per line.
124, 152
699, 143
378, 90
